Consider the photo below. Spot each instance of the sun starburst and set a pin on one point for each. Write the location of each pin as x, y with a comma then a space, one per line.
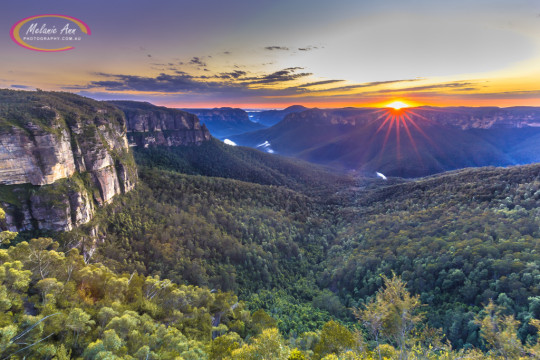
397, 117
397, 105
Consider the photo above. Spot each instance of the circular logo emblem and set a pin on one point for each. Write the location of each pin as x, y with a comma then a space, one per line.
49, 32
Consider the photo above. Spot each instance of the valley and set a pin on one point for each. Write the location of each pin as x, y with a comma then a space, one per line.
226, 252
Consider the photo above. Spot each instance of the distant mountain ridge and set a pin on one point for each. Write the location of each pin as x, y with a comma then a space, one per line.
482, 117
224, 122
272, 117
409, 143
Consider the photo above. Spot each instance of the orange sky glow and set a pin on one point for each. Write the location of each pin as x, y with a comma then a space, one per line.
336, 54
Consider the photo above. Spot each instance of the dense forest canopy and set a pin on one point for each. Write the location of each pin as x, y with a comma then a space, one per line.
276, 259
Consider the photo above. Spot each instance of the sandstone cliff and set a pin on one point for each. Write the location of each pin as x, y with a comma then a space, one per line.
150, 125
61, 155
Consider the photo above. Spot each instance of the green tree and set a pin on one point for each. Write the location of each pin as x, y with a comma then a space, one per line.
260, 321
224, 345
269, 345
49, 288
394, 311
296, 355
335, 339
499, 332
6, 237
373, 318
79, 322
62, 353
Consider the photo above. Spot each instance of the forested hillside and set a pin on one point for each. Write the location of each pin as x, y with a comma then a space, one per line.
284, 261
215, 159
458, 239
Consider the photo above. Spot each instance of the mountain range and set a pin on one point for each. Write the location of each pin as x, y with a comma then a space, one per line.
130, 216
408, 142
272, 117
225, 122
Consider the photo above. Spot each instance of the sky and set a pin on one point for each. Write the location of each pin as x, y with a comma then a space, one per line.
275, 53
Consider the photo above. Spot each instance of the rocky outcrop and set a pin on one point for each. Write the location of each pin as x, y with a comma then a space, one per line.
35, 156
61, 155
150, 125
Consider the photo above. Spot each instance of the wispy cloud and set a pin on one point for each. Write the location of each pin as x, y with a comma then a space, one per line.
529, 94
197, 61
322, 82
368, 84
193, 78
181, 81
232, 75
284, 75
165, 83
456, 85
308, 48
284, 48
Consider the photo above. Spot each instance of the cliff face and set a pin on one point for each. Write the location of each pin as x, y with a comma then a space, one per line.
60, 156
150, 125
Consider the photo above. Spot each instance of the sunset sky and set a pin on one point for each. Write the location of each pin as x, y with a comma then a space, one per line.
271, 54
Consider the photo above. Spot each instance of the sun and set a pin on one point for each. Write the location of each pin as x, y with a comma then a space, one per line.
396, 105
399, 117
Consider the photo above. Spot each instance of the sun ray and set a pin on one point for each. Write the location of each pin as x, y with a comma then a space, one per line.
413, 143
393, 118
420, 116
411, 120
386, 120
384, 113
398, 139
388, 131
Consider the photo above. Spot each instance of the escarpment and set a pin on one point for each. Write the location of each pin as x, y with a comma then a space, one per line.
61, 156
150, 125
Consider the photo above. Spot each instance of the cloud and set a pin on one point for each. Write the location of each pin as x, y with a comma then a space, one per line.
456, 85
180, 81
308, 48
197, 61
284, 48
529, 94
165, 83
20, 86
287, 74
233, 85
232, 75
316, 83
369, 84
237, 83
